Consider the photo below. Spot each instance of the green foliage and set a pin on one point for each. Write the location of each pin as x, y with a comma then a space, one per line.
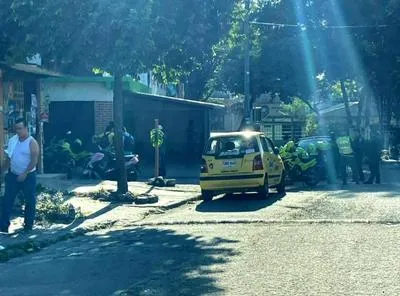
104, 195
297, 108
352, 91
52, 208
288, 60
174, 38
201, 43
157, 137
311, 125
59, 157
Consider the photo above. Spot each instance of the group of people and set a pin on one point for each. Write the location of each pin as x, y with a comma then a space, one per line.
351, 151
106, 139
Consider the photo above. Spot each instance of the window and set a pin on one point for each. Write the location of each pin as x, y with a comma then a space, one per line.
278, 132
271, 145
267, 147
267, 130
230, 146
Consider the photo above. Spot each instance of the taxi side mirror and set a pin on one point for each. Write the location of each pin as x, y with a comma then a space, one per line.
276, 151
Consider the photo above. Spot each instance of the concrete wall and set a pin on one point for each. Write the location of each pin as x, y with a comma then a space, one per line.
83, 92
76, 91
174, 117
103, 114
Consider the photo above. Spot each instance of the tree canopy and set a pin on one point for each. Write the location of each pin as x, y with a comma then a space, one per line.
172, 37
318, 42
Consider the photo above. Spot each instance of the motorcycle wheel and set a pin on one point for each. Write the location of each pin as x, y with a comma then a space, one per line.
311, 179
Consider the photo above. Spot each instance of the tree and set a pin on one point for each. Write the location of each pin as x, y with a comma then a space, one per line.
311, 125
120, 37
193, 59
277, 59
343, 40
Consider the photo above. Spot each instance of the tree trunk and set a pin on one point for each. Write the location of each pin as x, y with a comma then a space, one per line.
346, 103
118, 106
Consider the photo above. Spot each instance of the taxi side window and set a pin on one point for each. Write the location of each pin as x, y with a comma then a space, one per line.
212, 148
266, 145
271, 145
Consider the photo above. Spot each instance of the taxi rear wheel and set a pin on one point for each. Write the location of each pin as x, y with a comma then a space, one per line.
206, 195
281, 186
263, 192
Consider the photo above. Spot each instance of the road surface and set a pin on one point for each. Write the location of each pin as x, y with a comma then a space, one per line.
326, 242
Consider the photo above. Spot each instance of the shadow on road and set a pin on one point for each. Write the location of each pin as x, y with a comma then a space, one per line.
123, 262
386, 189
379, 190
238, 203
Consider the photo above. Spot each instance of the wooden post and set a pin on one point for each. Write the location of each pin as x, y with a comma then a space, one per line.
157, 152
39, 126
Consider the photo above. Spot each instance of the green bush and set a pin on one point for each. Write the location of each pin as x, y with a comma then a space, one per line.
311, 125
51, 208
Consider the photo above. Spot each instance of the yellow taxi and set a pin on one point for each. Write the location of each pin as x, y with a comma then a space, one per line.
240, 162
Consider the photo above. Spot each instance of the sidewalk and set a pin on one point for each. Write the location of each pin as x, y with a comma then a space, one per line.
183, 173
96, 214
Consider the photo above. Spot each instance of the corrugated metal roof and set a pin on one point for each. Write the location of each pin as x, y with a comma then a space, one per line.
30, 69
235, 134
335, 108
129, 83
177, 100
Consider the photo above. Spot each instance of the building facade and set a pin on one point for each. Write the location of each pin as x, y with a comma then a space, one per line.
20, 96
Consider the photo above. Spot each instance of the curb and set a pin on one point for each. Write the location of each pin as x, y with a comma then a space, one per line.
180, 203
270, 222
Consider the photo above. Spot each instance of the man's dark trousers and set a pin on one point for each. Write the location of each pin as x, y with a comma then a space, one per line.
374, 165
13, 187
348, 161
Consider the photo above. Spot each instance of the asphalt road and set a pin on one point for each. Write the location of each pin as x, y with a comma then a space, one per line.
327, 242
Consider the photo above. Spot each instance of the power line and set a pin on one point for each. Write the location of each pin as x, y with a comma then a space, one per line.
304, 26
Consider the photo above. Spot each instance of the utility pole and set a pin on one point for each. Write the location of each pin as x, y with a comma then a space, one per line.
247, 97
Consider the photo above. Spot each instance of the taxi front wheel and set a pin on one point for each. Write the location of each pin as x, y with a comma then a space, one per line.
206, 195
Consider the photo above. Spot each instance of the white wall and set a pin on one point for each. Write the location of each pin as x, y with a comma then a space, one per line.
76, 91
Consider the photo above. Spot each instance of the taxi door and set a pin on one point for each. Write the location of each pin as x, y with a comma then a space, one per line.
272, 162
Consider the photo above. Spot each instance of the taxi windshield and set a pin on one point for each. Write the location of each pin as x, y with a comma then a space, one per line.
232, 146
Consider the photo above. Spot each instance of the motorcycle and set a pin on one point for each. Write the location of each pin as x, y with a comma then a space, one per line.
299, 166
103, 165
64, 155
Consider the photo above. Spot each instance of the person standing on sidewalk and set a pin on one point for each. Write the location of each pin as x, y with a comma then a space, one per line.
358, 145
374, 158
23, 155
347, 158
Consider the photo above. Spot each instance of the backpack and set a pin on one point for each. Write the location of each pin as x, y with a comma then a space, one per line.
104, 141
129, 142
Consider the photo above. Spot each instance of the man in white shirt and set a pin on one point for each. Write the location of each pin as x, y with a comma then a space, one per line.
22, 157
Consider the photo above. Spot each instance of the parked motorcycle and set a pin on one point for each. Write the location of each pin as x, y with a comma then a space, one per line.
64, 155
299, 166
103, 165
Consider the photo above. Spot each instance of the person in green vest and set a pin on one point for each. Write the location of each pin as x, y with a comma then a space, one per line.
347, 157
